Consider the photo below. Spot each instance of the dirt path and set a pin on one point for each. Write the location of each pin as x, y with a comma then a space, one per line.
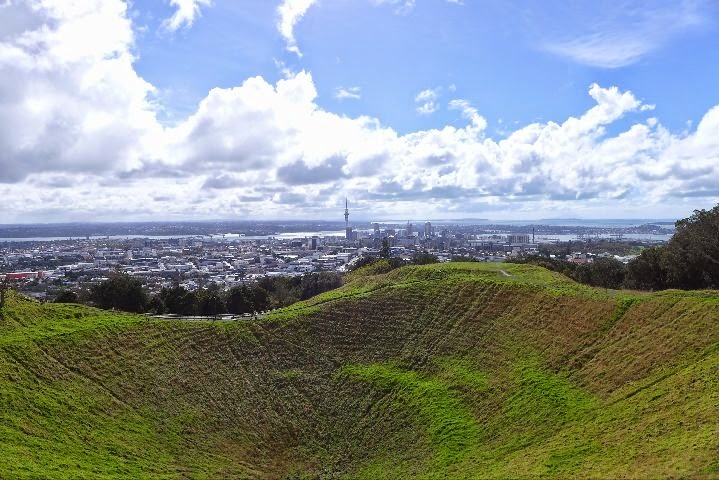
505, 273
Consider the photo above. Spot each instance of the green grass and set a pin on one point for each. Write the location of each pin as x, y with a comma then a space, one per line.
548, 427
450, 426
437, 371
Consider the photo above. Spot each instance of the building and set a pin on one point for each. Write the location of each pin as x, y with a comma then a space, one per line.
518, 238
21, 275
427, 229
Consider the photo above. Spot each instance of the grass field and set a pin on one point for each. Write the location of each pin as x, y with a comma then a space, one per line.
437, 371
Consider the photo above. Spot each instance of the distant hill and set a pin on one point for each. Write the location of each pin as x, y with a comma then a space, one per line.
439, 371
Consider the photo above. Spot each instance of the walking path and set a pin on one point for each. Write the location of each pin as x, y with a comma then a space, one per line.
201, 318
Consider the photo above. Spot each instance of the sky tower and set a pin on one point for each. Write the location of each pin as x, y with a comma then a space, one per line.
347, 214
349, 235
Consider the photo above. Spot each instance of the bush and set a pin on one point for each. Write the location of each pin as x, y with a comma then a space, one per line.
363, 262
603, 272
462, 258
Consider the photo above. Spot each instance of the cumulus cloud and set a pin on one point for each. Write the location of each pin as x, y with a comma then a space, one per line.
298, 173
186, 11
223, 181
70, 99
289, 13
78, 128
426, 101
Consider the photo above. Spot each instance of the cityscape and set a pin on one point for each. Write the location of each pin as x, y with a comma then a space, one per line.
43, 268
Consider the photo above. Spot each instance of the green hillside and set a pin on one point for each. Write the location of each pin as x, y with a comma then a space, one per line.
437, 371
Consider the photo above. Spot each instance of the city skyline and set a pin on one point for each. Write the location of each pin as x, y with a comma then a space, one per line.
215, 109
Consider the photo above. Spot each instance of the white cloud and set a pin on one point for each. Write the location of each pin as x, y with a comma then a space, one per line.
426, 101
624, 34
354, 93
78, 130
401, 7
289, 13
70, 99
185, 14
468, 112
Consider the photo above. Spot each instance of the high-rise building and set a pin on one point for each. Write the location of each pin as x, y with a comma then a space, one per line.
427, 229
409, 229
376, 229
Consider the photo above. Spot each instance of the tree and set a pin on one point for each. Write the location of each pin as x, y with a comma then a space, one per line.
315, 283
156, 305
238, 301
179, 300
603, 272
259, 299
65, 296
583, 274
210, 303
248, 299
647, 272
607, 273
691, 258
424, 258
121, 292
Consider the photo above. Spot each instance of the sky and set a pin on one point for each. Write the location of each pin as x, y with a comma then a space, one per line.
113, 110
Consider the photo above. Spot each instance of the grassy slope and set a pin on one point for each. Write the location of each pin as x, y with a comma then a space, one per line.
424, 372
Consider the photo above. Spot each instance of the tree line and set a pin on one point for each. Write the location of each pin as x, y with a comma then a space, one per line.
689, 261
123, 292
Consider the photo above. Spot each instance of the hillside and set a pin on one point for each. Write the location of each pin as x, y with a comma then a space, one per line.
438, 371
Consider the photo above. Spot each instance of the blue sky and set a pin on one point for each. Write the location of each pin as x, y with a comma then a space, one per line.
497, 55
222, 109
